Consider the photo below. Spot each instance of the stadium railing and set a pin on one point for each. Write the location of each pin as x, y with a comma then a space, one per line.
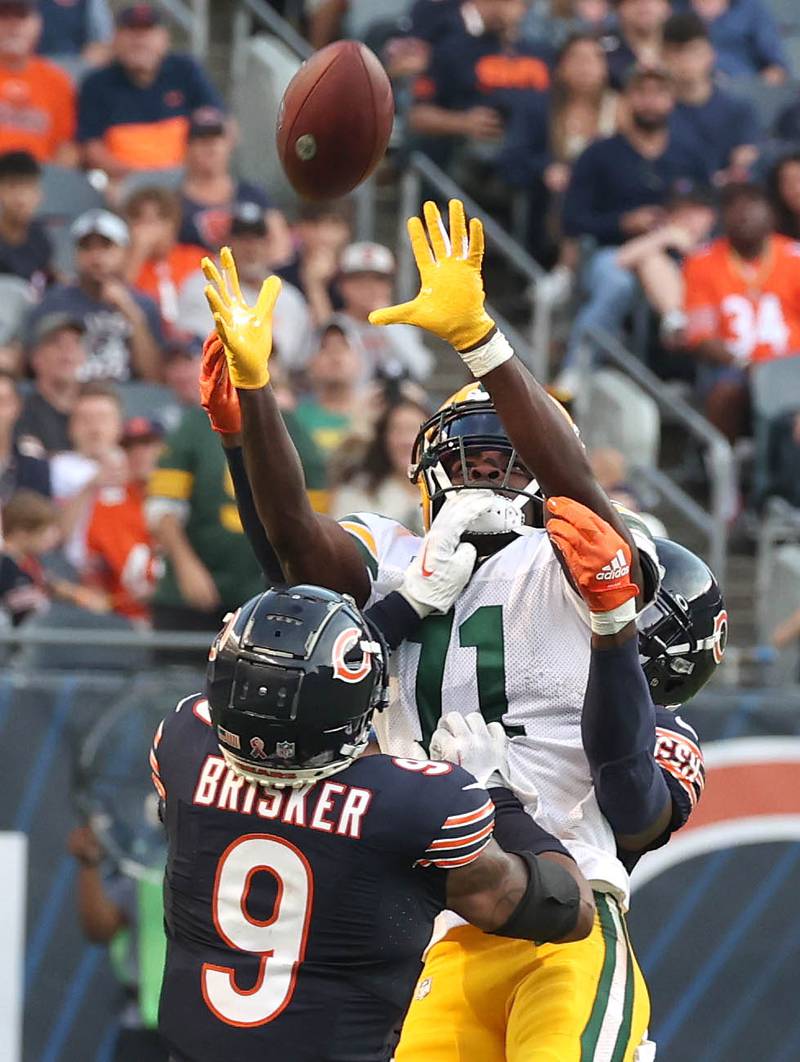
193, 17
257, 16
779, 526
251, 14
421, 172
719, 458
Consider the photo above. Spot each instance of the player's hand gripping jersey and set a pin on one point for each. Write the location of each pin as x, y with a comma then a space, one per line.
334, 887
515, 648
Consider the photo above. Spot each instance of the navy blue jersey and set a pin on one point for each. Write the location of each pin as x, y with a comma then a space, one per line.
680, 758
295, 919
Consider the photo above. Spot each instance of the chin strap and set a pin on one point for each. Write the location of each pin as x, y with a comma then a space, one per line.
513, 510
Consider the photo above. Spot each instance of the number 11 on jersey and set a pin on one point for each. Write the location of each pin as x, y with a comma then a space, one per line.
483, 631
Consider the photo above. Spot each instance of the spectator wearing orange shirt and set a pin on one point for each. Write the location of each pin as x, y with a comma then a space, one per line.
158, 265
742, 304
120, 558
134, 113
37, 100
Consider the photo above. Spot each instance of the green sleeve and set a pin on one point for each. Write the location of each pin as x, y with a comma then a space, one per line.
174, 477
310, 456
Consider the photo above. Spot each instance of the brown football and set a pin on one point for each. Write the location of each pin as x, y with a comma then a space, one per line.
335, 121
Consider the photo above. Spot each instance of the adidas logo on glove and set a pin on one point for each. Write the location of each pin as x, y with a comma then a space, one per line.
615, 569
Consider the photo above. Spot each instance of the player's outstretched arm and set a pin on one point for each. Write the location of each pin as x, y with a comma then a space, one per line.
219, 399
618, 721
543, 898
310, 547
450, 304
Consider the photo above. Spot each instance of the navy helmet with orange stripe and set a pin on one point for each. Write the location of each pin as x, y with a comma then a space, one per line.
293, 681
683, 632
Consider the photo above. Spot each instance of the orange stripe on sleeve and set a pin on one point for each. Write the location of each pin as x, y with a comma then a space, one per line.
472, 816
462, 842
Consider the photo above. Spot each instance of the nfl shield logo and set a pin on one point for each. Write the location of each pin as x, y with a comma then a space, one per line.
284, 750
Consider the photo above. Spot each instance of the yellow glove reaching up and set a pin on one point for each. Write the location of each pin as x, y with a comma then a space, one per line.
451, 297
246, 331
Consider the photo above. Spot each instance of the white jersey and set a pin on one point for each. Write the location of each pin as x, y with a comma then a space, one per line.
516, 648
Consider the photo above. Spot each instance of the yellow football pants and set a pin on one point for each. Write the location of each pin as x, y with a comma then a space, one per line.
488, 999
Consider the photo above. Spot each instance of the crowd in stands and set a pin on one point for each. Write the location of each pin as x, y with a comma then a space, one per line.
656, 147
632, 131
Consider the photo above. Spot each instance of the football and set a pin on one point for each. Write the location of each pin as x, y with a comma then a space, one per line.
335, 121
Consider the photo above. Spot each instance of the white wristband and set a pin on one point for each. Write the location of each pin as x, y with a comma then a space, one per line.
488, 356
605, 623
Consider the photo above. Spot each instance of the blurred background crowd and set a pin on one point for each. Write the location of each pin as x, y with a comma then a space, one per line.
642, 157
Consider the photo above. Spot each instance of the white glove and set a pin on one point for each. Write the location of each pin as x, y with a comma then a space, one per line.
472, 744
444, 564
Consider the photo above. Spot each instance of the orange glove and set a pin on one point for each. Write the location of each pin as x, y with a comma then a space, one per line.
217, 394
599, 561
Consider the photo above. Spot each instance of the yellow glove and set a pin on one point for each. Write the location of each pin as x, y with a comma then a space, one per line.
246, 331
451, 296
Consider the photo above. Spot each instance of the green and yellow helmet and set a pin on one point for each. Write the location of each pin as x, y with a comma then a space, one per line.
467, 423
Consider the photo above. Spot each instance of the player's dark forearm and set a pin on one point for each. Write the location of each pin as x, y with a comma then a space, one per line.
548, 445
515, 830
275, 474
310, 547
556, 907
618, 726
521, 895
253, 528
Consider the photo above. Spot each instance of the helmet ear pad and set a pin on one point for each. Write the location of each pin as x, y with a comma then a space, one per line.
683, 633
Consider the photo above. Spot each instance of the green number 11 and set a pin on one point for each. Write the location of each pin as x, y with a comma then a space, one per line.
483, 631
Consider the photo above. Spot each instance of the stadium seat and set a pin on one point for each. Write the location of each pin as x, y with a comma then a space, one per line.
782, 599
73, 66
619, 414
80, 654
267, 67
786, 14
66, 194
150, 400
169, 179
775, 389
16, 299
768, 100
792, 45
775, 386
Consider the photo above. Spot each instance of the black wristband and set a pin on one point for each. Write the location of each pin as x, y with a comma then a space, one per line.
549, 910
